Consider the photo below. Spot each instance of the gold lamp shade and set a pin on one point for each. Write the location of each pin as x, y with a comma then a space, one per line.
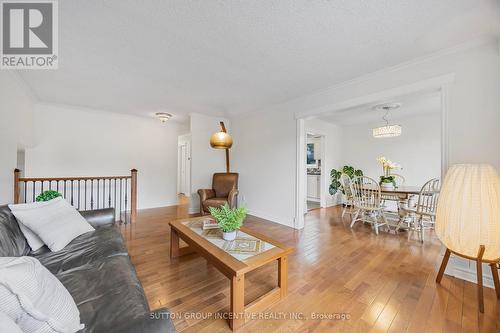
468, 213
221, 140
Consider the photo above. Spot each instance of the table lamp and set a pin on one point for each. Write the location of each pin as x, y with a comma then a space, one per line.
222, 140
468, 219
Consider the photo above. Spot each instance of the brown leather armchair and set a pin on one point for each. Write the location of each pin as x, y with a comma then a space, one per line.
224, 190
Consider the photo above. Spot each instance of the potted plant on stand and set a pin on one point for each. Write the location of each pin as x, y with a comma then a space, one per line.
387, 181
335, 185
228, 219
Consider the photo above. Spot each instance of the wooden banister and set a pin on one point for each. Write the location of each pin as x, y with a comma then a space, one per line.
84, 192
133, 196
54, 179
17, 174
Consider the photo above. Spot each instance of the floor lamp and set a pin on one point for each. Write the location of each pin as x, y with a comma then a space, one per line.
222, 140
468, 220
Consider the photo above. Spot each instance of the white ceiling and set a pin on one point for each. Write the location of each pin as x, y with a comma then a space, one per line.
231, 57
411, 105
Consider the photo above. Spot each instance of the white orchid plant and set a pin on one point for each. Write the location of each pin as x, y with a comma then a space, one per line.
388, 166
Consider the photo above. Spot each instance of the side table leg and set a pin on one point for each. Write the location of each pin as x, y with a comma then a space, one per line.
174, 244
283, 275
237, 307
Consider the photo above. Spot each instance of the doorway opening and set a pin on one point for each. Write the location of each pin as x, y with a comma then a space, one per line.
184, 165
434, 91
315, 171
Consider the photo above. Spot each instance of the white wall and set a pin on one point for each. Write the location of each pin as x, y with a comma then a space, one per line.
205, 160
82, 142
16, 104
332, 150
264, 155
417, 150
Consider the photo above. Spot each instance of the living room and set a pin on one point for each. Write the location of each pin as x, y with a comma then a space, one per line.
153, 116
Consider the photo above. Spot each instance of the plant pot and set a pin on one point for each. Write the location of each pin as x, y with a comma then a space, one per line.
387, 186
229, 236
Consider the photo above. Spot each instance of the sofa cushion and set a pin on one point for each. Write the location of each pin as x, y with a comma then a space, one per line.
223, 183
107, 293
87, 249
97, 271
12, 241
214, 202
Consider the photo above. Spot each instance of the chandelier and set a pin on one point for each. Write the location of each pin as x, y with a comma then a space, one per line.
389, 130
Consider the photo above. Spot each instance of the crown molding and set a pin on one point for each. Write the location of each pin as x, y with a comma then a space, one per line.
428, 84
471, 44
21, 82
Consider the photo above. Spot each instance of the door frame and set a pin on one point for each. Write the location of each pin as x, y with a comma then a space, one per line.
322, 182
187, 171
441, 83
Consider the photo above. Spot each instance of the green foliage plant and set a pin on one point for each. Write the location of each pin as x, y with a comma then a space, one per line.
350, 171
229, 219
48, 195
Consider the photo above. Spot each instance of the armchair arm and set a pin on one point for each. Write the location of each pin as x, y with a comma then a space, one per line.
158, 321
99, 217
206, 194
232, 198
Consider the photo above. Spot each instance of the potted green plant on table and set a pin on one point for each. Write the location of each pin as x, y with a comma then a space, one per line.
229, 219
387, 180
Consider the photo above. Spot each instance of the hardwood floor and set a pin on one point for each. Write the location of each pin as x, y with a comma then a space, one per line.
382, 283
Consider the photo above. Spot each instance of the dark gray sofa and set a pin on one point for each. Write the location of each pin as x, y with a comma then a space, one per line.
97, 271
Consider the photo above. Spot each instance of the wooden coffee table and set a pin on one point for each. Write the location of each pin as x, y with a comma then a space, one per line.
232, 263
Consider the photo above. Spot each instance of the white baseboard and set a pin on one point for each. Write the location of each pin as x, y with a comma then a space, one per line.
168, 204
193, 210
284, 221
466, 270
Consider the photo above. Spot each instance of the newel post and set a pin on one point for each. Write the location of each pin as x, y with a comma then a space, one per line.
17, 174
133, 196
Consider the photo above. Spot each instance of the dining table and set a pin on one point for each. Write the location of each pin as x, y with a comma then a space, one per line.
403, 192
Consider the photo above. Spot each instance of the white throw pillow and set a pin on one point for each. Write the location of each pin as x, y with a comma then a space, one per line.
35, 299
33, 240
7, 325
56, 222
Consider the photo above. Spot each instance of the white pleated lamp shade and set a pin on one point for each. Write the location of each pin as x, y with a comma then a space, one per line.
468, 212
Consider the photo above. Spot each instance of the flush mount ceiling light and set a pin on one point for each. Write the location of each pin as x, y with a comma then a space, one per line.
163, 116
389, 130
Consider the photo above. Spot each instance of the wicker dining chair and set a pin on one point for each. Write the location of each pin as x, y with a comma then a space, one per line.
367, 202
346, 183
424, 211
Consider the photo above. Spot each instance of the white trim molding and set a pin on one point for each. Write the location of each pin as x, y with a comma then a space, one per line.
301, 179
466, 270
437, 82
282, 221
